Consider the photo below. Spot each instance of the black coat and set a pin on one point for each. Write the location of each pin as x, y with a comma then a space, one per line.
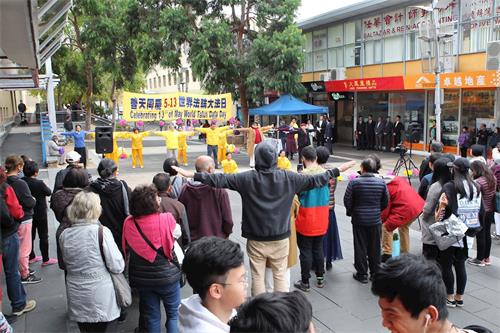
24, 196
388, 128
40, 192
365, 199
379, 128
303, 138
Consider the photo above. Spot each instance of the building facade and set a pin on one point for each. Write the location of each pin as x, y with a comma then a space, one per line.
372, 62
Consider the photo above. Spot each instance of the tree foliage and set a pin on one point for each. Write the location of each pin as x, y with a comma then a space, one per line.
239, 46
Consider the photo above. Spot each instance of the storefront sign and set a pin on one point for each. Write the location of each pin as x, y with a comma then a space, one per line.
314, 86
340, 96
155, 107
482, 79
421, 81
367, 84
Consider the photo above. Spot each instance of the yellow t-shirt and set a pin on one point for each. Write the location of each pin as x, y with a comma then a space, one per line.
212, 134
229, 166
171, 138
284, 163
137, 139
183, 139
223, 137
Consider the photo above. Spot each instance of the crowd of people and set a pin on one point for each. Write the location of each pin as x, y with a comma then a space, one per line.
176, 230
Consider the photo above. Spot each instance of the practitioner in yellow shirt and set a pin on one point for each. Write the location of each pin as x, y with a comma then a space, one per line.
221, 152
137, 137
283, 161
182, 158
212, 133
171, 140
229, 165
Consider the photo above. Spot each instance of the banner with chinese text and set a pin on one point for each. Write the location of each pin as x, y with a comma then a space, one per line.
171, 106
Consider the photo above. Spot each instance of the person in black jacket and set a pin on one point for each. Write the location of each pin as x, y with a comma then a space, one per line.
114, 196
39, 191
14, 164
379, 134
482, 138
330, 135
365, 199
436, 147
387, 133
370, 133
303, 139
73, 160
267, 195
398, 132
360, 134
320, 130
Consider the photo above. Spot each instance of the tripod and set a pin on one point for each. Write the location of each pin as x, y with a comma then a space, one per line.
405, 161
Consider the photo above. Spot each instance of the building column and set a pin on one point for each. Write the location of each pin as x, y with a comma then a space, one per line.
51, 106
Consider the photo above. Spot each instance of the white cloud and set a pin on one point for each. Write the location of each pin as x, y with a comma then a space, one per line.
310, 8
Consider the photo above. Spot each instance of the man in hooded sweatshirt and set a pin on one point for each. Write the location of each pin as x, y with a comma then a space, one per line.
114, 196
267, 195
208, 209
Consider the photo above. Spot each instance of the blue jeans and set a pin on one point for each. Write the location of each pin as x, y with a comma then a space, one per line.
10, 260
149, 306
212, 150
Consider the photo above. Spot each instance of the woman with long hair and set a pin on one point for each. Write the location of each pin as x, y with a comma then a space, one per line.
148, 241
440, 176
487, 183
461, 187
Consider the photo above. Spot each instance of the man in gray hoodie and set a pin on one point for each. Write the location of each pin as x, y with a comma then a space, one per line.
267, 195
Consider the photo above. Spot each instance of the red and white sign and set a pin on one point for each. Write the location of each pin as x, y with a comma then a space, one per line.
367, 84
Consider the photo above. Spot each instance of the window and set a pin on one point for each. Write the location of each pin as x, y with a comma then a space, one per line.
449, 117
319, 40
393, 48
154, 83
475, 36
187, 76
164, 80
373, 52
477, 107
169, 79
308, 62
352, 31
319, 60
150, 84
335, 57
412, 46
336, 36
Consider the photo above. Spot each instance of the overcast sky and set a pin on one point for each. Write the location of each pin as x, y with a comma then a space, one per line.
310, 8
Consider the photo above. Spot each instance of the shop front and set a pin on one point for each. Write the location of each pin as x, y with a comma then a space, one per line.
412, 98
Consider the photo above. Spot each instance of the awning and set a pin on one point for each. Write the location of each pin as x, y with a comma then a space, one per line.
287, 105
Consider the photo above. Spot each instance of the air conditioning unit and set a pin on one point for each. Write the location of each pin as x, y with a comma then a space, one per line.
493, 56
334, 74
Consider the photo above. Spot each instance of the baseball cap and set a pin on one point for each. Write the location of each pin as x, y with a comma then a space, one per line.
461, 164
73, 156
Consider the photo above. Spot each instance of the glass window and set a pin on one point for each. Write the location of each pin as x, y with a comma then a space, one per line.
373, 52
375, 104
308, 62
412, 46
411, 108
150, 84
308, 42
475, 36
352, 55
336, 36
478, 107
449, 117
393, 48
335, 57
154, 82
319, 40
169, 79
164, 80
320, 58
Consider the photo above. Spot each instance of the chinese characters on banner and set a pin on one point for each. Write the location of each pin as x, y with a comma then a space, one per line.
472, 10
481, 79
155, 107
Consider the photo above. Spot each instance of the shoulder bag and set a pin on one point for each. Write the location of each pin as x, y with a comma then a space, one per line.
122, 288
448, 232
177, 253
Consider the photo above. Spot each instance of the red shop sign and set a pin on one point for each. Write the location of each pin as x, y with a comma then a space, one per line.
366, 84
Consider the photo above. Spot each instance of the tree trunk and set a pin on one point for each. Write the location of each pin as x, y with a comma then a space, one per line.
89, 94
113, 100
244, 104
59, 99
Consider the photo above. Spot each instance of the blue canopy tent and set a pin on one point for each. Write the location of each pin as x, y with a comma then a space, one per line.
287, 105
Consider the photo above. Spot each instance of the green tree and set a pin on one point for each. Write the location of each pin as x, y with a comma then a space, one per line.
239, 46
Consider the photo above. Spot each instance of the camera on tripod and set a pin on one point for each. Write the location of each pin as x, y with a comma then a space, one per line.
401, 149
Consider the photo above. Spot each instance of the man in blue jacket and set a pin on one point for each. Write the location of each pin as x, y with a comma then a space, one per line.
364, 200
266, 195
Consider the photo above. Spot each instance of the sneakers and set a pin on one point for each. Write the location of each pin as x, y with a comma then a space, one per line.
30, 305
320, 281
31, 271
35, 259
487, 261
302, 286
451, 304
328, 265
459, 303
31, 279
476, 262
360, 278
386, 257
51, 261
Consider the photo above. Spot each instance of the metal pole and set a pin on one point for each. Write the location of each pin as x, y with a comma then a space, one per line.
51, 106
437, 93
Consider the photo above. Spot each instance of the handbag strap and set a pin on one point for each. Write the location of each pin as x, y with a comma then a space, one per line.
100, 237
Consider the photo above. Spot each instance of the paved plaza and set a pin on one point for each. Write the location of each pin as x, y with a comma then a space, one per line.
343, 305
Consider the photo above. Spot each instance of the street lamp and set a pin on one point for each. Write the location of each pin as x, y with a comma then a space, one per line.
433, 10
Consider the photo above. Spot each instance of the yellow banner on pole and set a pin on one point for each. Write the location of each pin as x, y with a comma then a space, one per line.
171, 106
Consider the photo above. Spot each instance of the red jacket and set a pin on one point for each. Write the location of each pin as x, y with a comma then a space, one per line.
404, 206
15, 209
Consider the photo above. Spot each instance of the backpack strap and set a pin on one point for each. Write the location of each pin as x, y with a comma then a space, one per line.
100, 238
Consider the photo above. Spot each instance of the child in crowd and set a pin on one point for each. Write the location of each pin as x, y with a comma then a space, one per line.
215, 270
229, 165
283, 161
39, 191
